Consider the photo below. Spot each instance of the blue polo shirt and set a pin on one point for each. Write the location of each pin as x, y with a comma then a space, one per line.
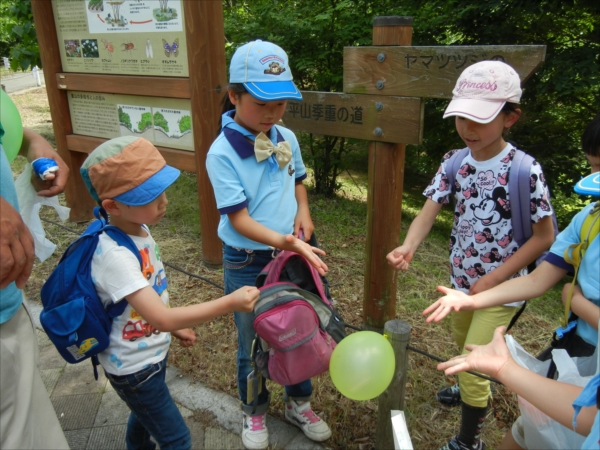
239, 181
588, 277
10, 297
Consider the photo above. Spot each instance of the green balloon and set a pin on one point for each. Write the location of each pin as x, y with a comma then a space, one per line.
362, 365
13, 127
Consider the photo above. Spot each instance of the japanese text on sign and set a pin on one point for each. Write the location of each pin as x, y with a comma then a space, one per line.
326, 112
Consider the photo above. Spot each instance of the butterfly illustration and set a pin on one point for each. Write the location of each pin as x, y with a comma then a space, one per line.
171, 49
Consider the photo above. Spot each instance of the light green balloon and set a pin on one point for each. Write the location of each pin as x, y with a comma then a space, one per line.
362, 365
13, 127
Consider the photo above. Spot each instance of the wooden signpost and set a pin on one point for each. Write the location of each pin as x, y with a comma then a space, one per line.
427, 72
370, 117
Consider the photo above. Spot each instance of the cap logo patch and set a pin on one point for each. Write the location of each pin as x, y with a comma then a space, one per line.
487, 85
275, 65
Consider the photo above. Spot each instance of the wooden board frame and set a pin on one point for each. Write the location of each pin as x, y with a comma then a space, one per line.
204, 87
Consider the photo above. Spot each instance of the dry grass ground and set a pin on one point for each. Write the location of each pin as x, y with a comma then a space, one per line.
340, 224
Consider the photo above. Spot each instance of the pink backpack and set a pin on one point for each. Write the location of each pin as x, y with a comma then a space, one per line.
296, 323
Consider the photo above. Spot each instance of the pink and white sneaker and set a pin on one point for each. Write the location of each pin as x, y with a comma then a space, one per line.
302, 415
255, 435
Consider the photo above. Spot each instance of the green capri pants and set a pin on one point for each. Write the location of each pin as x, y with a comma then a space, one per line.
477, 327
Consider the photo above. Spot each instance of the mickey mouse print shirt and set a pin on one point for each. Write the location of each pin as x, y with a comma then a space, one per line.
482, 235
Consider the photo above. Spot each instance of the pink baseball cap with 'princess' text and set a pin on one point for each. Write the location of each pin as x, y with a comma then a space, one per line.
482, 90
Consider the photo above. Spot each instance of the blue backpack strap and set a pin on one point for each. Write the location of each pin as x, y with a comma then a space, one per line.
453, 164
519, 191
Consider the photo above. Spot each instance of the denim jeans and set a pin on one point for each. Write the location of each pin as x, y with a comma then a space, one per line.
153, 411
240, 268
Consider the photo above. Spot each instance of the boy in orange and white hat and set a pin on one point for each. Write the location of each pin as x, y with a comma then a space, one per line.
128, 177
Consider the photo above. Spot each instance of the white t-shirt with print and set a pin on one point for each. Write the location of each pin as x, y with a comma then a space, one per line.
134, 343
482, 235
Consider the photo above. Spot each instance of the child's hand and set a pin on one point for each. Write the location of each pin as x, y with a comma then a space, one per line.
186, 336
453, 300
400, 257
484, 283
303, 222
244, 298
308, 251
488, 359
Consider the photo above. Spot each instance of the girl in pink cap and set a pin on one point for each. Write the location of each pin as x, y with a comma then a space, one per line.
483, 252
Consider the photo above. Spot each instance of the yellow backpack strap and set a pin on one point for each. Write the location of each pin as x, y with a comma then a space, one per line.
574, 253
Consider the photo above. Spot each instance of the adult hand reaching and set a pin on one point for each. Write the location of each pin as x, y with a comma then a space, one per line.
16, 247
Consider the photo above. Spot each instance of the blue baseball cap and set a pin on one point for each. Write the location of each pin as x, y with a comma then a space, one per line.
589, 185
263, 69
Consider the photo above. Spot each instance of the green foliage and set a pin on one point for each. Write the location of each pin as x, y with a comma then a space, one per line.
6, 40
145, 122
24, 52
96, 5
124, 119
185, 124
160, 121
559, 99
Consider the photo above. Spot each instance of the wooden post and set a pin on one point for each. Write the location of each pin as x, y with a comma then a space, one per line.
208, 83
76, 194
398, 333
384, 199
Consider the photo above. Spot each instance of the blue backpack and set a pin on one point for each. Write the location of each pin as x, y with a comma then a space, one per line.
73, 316
518, 186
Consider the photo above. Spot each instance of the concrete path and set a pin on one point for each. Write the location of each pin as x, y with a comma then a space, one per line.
93, 417
20, 81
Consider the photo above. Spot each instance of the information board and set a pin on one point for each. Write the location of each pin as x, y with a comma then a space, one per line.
165, 122
131, 37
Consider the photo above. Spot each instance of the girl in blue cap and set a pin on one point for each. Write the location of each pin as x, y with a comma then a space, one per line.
256, 171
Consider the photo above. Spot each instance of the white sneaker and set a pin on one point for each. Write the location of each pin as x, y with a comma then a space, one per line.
255, 435
302, 415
